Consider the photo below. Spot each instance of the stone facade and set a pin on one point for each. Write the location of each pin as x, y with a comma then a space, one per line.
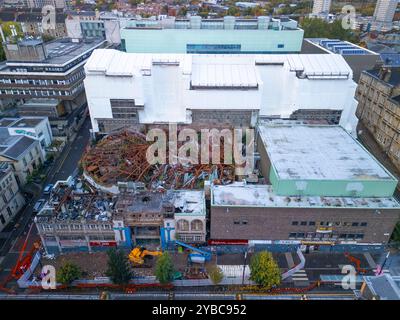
378, 96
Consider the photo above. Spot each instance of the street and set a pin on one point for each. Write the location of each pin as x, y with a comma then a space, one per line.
64, 166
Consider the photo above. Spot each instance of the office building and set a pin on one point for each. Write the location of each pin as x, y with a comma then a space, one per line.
126, 89
225, 35
321, 7
49, 72
383, 15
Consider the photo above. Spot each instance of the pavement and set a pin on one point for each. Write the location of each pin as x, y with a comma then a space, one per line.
63, 167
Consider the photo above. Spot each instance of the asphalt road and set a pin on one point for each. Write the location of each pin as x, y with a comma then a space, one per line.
64, 166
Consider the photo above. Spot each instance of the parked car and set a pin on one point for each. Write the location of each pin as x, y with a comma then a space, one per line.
38, 205
47, 189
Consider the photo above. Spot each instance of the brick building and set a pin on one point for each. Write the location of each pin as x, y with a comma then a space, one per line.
322, 185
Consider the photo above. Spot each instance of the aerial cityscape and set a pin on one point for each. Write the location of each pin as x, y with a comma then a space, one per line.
199, 150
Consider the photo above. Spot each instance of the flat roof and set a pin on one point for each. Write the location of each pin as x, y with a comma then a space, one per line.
27, 122
224, 75
318, 152
189, 201
340, 47
60, 51
41, 102
242, 195
213, 69
5, 122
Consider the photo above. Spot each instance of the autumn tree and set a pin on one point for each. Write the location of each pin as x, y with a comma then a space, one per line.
264, 270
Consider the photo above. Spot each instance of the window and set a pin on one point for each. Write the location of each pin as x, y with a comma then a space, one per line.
292, 235
196, 225
354, 224
303, 223
236, 222
2, 220
281, 45
311, 223
300, 235
295, 223
182, 225
9, 212
363, 224
359, 236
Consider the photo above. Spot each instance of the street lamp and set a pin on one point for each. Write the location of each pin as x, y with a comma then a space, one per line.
244, 266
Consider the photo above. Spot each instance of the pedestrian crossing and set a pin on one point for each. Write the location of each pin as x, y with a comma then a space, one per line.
300, 275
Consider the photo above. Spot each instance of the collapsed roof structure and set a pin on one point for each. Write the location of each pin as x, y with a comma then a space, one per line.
121, 157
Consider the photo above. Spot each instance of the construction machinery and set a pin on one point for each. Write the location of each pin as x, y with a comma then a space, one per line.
201, 256
138, 254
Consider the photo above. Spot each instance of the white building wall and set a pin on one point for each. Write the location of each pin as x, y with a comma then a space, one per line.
166, 93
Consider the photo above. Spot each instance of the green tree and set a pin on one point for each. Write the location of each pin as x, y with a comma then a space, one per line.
164, 268
118, 267
215, 273
233, 11
68, 272
264, 270
318, 28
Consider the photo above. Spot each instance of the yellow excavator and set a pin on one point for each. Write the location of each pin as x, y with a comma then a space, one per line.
137, 255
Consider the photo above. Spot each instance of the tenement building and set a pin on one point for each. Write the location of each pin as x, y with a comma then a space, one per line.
321, 186
53, 71
378, 95
11, 199
132, 89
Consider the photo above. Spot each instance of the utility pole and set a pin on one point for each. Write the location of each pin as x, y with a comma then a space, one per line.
244, 265
384, 262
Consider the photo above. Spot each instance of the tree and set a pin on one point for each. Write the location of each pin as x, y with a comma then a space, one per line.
264, 270
164, 268
68, 272
233, 11
215, 273
118, 267
318, 28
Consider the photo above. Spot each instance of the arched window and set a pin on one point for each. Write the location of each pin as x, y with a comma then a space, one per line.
182, 225
196, 225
